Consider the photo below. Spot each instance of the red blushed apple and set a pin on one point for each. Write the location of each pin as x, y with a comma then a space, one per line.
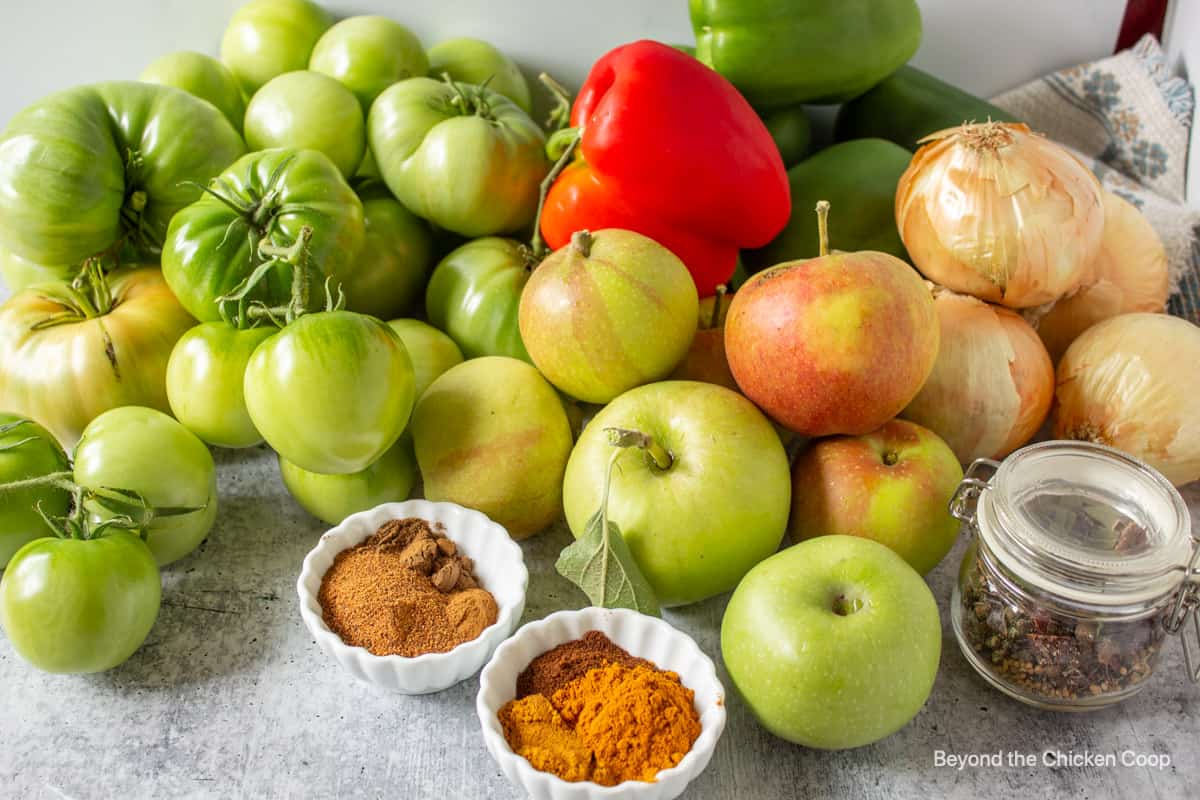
705, 360
836, 344
891, 485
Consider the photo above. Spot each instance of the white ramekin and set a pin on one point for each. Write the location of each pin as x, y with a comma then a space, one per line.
647, 637
499, 566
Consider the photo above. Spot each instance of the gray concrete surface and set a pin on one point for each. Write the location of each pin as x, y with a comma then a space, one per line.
231, 698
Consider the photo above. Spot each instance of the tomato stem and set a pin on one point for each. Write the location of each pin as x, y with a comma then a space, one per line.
560, 115
294, 256
51, 480
568, 140
470, 100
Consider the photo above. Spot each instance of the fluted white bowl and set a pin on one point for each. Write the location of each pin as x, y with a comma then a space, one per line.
499, 566
647, 637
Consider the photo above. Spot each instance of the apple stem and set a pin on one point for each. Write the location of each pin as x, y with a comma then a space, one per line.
581, 241
626, 437
714, 322
823, 227
844, 607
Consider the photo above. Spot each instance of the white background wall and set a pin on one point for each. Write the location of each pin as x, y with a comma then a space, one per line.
983, 45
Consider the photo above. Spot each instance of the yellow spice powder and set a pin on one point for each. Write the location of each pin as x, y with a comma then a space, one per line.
614, 724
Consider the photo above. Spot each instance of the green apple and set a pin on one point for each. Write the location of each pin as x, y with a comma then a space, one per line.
475, 61
492, 435
703, 503
368, 54
833, 643
308, 110
431, 351
332, 498
892, 485
610, 311
200, 75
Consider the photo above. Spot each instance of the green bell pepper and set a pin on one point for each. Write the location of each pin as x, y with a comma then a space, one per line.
909, 105
781, 52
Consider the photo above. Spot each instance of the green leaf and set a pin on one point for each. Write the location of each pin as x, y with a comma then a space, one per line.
601, 564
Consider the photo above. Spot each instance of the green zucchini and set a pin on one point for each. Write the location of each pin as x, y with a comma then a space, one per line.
909, 105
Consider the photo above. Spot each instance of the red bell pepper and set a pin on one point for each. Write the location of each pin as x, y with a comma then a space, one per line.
670, 149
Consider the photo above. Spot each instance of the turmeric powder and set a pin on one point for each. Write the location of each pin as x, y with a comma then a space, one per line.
616, 723
536, 732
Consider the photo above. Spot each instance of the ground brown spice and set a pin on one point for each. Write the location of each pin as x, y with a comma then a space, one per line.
557, 667
405, 590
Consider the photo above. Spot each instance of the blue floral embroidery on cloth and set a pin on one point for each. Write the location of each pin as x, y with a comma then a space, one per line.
1135, 156
1101, 90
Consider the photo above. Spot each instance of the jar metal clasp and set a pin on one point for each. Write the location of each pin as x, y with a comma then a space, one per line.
1187, 609
965, 501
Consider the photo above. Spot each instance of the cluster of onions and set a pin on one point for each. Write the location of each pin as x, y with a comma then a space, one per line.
1129, 274
996, 211
992, 384
1132, 382
999, 213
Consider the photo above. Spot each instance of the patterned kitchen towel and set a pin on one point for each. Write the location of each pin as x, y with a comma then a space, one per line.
1129, 119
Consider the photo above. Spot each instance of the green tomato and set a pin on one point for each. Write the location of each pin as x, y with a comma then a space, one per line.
27, 450
395, 259
431, 351
145, 451
475, 61
200, 75
266, 38
332, 498
474, 296
272, 195
465, 158
204, 382
331, 392
63, 363
79, 606
21, 273
308, 110
85, 168
369, 54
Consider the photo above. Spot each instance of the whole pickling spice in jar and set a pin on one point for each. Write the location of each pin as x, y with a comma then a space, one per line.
1082, 563
587, 710
406, 590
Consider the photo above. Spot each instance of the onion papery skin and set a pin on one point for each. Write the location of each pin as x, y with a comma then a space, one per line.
993, 382
1129, 274
996, 211
1132, 382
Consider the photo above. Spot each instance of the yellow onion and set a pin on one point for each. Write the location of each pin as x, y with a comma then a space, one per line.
1000, 213
1128, 274
1133, 382
992, 384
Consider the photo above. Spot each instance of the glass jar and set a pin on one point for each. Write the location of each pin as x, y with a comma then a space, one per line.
1082, 563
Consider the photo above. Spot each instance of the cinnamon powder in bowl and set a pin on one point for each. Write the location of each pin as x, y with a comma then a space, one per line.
405, 591
415, 596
